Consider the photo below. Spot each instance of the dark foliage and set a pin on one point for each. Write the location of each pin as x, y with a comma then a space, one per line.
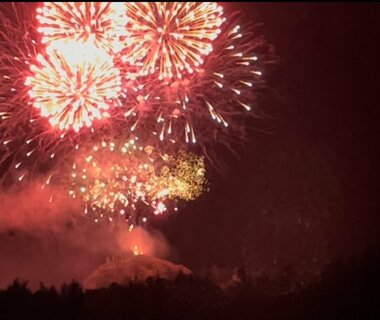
345, 290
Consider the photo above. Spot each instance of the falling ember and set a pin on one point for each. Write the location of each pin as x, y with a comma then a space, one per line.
136, 251
102, 23
74, 84
171, 38
161, 208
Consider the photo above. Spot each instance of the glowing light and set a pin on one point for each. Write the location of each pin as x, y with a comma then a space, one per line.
102, 23
136, 251
186, 178
171, 38
160, 208
114, 180
183, 66
221, 89
125, 184
74, 84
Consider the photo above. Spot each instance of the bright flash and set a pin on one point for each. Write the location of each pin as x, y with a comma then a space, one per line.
74, 84
170, 38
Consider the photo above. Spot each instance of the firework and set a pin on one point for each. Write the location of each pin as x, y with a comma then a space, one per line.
18, 121
185, 176
170, 39
29, 145
74, 84
102, 23
209, 106
127, 180
175, 70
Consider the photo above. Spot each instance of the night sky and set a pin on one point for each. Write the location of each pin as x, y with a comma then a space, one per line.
305, 193
304, 190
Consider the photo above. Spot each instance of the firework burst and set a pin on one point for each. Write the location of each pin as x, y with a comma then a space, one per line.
169, 39
29, 144
18, 125
185, 177
209, 106
74, 84
127, 180
179, 71
102, 23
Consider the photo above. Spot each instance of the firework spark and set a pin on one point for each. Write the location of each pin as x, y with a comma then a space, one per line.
171, 38
29, 145
127, 180
184, 66
185, 176
102, 23
224, 90
18, 124
74, 84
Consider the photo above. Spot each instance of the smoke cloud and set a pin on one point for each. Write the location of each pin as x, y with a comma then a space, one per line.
44, 237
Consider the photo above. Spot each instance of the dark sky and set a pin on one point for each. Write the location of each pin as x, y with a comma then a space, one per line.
304, 194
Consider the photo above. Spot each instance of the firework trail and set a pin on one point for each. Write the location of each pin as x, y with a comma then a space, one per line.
18, 50
208, 107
